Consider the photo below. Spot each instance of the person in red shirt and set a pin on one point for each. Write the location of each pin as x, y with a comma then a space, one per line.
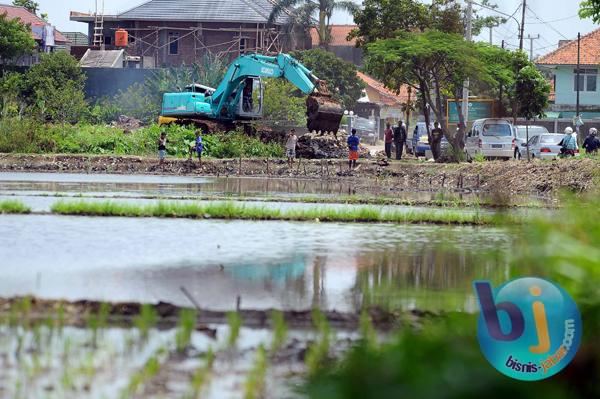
389, 139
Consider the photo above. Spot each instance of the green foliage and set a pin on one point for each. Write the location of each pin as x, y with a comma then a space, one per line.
13, 206
255, 381
342, 81
30, 5
185, 326
532, 91
234, 320
590, 9
317, 355
479, 157
283, 102
280, 330
15, 39
145, 320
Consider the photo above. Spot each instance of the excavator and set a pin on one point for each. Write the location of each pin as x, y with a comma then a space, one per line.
239, 97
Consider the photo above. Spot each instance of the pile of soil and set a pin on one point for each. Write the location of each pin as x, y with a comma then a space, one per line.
325, 146
127, 123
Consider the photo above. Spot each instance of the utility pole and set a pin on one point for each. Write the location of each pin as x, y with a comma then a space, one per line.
531, 39
578, 83
469, 37
522, 26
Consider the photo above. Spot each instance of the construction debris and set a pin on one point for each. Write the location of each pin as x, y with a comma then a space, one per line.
325, 146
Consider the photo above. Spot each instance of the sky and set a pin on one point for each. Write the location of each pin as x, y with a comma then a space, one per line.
553, 20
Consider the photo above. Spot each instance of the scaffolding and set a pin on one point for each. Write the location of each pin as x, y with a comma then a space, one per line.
146, 41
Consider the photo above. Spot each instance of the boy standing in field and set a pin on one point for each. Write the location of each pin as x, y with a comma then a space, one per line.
353, 143
162, 148
290, 147
199, 147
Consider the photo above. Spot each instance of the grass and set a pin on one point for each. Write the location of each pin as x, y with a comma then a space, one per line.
232, 210
234, 320
186, 326
255, 380
13, 206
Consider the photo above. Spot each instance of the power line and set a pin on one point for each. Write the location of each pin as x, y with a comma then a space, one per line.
554, 20
547, 23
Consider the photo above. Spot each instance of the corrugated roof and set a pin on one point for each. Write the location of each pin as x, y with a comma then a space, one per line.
251, 11
567, 54
102, 59
28, 18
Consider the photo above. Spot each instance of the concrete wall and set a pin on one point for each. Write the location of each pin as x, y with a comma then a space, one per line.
565, 88
103, 82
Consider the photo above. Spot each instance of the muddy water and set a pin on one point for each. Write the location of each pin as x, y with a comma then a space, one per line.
269, 264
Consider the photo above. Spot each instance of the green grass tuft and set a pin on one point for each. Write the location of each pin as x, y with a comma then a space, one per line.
232, 210
13, 206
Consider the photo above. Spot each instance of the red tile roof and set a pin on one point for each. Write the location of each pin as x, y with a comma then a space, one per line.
339, 33
28, 18
567, 54
386, 96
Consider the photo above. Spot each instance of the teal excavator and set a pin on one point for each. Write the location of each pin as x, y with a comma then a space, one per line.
239, 97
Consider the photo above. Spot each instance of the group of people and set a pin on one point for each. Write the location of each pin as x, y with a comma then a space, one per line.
197, 147
396, 137
569, 145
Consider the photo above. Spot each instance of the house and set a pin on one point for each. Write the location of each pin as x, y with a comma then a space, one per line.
178, 32
382, 104
339, 45
562, 65
48, 39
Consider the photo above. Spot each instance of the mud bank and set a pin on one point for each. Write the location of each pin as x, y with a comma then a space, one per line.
372, 177
77, 313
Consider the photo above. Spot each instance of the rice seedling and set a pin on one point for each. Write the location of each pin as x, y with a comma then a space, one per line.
280, 330
232, 210
367, 332
185, 326
145, 320
200, 376
147, 372
14, 206
318, 352
254, 386
60, 317
234, 320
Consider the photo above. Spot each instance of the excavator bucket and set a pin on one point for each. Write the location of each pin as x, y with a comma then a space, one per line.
323, 113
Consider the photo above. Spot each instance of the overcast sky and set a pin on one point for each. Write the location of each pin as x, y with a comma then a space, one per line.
556, 19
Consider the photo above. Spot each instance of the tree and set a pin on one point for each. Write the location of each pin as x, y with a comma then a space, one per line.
15, 39
29, 5
53, 88
590, 9
341, 77
384, 19
531, 92
325, 9
283, 102
436, 64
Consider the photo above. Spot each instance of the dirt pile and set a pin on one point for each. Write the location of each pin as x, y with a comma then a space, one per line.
325, 146
127, 123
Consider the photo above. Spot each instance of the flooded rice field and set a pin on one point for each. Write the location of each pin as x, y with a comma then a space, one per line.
223, 265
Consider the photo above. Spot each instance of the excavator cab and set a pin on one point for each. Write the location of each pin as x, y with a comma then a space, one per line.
251, 99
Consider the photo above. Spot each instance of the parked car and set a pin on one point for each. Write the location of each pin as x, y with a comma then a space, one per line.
493, 138
544, 146
521, 136
417, 143
422, 146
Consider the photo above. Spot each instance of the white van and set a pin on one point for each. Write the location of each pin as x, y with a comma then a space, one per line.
494, 138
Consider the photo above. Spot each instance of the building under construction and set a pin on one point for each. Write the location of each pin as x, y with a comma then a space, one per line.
161, 33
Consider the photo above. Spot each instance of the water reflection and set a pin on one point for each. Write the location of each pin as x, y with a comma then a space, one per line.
269, 264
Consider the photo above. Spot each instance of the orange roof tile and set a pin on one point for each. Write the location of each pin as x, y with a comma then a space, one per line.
387, 96
567, 54
339, 33
29, 18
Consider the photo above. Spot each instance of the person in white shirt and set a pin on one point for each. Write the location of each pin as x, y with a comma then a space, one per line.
290, 147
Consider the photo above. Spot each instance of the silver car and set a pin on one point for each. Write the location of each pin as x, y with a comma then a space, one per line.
544, 146
521, 136
493, 138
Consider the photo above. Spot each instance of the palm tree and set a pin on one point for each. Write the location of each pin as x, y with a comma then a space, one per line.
325, 9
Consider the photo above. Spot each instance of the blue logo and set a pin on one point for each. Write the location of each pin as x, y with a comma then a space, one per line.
529, 328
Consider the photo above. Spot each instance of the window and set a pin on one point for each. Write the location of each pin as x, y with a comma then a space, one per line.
498, 130
107, 40
173, 43
588, 80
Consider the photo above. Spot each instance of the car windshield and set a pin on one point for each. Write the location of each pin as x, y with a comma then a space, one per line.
500, 130
551, 139
533, 131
